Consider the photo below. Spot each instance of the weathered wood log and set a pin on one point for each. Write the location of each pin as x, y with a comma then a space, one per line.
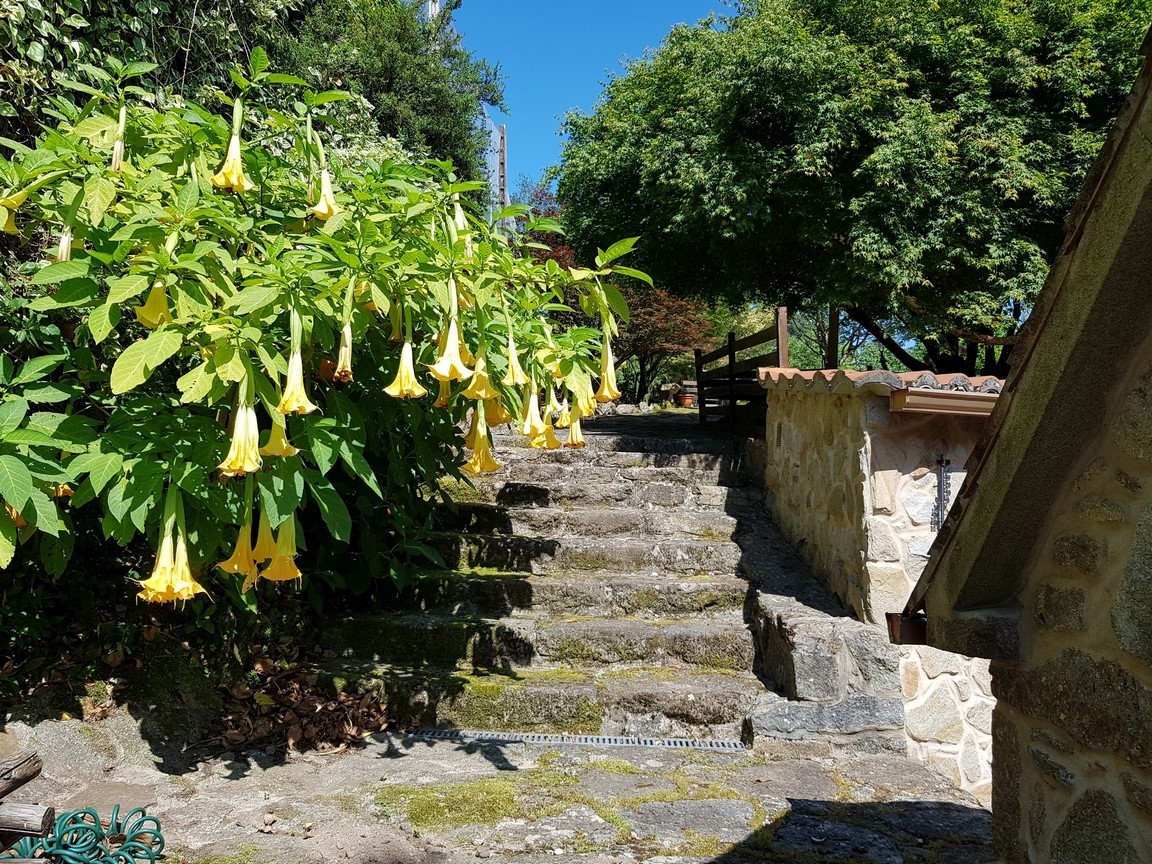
26, 820
17, 770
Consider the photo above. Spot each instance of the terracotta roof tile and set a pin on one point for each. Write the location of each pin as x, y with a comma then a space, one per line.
875, 381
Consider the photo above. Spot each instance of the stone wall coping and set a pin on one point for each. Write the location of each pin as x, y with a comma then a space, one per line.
881, 382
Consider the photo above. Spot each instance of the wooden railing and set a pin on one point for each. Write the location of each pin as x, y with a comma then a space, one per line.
728, 388
21, 820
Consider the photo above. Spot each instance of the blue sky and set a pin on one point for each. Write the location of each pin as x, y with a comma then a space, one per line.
556, 55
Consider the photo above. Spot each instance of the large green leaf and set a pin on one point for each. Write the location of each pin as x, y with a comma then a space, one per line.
12, 414
7, 539
61, 271
141, 359
335, 511
281, 490
126, 287
15, 482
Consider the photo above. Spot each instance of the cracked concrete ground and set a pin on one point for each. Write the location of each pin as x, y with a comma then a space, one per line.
399, 799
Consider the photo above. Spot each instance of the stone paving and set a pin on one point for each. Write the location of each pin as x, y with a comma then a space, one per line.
400, 800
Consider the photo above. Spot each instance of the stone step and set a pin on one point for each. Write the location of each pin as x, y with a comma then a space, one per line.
544, 471
868, 724
590, 522
716, 641
576, 494
655, 703
509, 453
553, 554
591, 593
715, 444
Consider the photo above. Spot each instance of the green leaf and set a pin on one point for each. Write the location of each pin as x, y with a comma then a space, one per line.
107, 467
61, 271
30, 437
281, 78
94, 126
258, 62
99, 193
254, 297
56, 552
46, 516
37, 368
15, 482
333, 508
634, 273
102, 319
136, 69
617, 250
188, 198
282, 490
126, 287
7, 539
76, 292
142, 358
12, 414
616, 301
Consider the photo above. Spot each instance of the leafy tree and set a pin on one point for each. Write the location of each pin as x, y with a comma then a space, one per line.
908, 162
660, 326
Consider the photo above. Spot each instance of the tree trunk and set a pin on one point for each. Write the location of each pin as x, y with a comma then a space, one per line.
895, 348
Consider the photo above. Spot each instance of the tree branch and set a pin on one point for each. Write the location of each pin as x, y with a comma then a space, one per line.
969, 336
866, 321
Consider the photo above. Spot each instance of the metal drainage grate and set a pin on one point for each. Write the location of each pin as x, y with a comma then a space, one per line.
594, 740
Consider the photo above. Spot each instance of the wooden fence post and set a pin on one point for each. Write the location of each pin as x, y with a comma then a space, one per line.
832, 347
782, 336
700, 386
731, 379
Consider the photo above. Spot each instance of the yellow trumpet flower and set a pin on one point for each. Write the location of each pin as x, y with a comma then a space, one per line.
295, 399
231, 173
583, 402
396, 316
482, 461
171, 578
405, 386
343, 371
565, 418
278, 444
450, 366
244, 452
531, 424
495, 414
118, 145
470, 435
64, 249
462, 228
548, 440
480, 387
553, 405
575, 436
515, 376
265, 546
608, 391
326, 207
17, 520
154, 312
11, 203
283, 567
242, 560
444, 395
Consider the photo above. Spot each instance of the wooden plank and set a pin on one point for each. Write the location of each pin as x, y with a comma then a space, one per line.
782, 336
712, 356
18, 769
699, 378
722, 374
760, 337
741, 390
28, 820
754, 363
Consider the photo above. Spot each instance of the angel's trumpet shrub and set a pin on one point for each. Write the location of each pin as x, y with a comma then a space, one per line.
154, 312
480, 386
608, 391
515, 376
171, 578
547, 440
325, 207
450, 366
396, 316
473, 425
564, 420
278, 444
482, 461
244, 453
231, 173
64, 248
462, 227
243, 559
265, 546
496, 414
343, 371
553, 406
443, 395
283, 566
531, 423
118, 144
405, 386
575, 435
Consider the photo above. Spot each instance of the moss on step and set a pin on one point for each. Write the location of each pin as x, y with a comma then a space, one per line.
477, 802
243, 855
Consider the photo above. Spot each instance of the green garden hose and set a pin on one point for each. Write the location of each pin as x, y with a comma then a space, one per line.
79, 837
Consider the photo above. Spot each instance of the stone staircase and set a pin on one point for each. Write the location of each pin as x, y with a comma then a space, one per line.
635, 587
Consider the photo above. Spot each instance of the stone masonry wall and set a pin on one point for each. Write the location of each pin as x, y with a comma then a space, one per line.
853, 486
1073, 724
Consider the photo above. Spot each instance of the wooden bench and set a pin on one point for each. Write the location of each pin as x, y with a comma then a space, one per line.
21, 820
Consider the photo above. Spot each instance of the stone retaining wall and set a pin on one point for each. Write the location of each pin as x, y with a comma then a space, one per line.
853, 486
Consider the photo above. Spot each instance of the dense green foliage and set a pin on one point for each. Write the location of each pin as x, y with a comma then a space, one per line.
908, 161
412, 78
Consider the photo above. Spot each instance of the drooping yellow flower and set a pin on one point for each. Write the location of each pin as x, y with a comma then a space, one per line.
462, 227
243, 559
118, 145
278, 444
531, 423
553, 405
450, 366
283, 567
64, 249
575, 436
17, 520
343, 371
244, 452
62, 490
565, 418
548, 440
405, 386
482, 461
496, 414
171, 578
515, 376
608, 391
295, 399
583, 402
231, 173
10, 222
265, 546
154, 312
396, 316
325, 207
443, 395
470, 436
480, 387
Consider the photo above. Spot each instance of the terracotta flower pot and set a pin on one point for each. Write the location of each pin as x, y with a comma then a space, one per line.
685, 400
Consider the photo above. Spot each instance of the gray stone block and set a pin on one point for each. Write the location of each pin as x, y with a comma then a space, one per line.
776, 717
